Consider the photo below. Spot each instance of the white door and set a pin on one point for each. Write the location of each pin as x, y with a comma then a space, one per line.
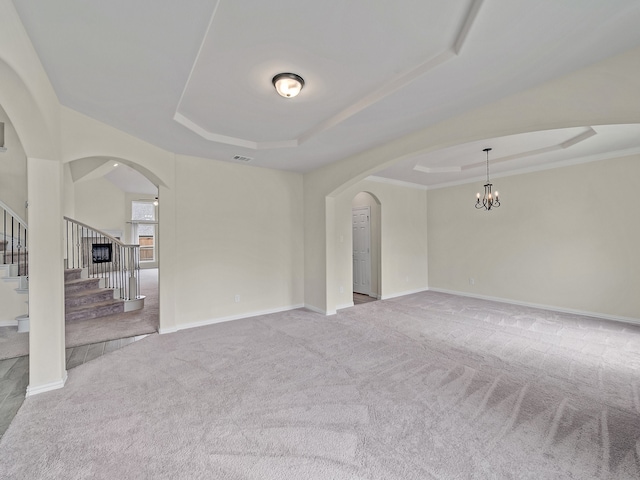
361, 219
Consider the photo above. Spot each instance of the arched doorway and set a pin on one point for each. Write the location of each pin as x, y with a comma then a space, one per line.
117, 197
366, 248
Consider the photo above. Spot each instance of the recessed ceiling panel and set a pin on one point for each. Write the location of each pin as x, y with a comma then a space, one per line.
513, 153
343, 50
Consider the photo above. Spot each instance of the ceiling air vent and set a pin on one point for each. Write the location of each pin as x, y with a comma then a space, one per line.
242, 158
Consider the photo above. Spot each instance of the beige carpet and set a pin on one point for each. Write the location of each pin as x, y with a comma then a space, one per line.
429, 386
96, 330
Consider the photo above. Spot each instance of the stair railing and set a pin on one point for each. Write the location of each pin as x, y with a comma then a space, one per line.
103, 256
13, 243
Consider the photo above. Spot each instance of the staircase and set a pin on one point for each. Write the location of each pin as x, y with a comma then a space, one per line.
103, 278
14, 270
86, 298
14, 298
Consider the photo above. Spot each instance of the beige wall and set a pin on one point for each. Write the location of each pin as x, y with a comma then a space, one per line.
13, 170
47, 369
576, 99
101, 205
240, 232
403, 240
250, 225
566, 238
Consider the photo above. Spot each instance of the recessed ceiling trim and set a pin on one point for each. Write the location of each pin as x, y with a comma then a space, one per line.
213, 137
238, 142
195, 60
420, 168
393, 85
466, 26
579, 138
396, 83
400, 81
546, 166
538, 151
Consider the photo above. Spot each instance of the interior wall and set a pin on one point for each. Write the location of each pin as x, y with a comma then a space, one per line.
576, 99
13, 170
566, 238
365, 199
240, 232
68, 192
403, 240
101, 205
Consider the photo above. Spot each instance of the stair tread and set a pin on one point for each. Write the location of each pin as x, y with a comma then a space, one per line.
89, 291
92, 306
80, 281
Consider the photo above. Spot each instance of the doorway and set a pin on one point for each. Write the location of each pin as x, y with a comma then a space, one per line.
361, 224
365, 218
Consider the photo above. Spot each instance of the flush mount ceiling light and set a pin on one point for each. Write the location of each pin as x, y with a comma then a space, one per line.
288, 85
489, 200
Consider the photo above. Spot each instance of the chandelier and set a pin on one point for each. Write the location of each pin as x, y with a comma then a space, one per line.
489, 200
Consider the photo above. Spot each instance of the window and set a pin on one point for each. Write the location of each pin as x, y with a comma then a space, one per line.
143, 216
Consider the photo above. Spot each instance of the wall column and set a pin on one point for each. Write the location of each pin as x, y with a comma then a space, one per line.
167, 258
47, 369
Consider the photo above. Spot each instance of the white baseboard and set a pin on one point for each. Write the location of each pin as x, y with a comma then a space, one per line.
47, 387
8, 323
230, 318
616, 318
344, 305
163, 331
315, 309
402, 294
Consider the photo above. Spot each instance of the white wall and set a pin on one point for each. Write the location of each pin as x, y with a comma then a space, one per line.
566, 238
240, 232
403, 240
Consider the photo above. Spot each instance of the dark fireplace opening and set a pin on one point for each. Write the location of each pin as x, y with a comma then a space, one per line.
101, 252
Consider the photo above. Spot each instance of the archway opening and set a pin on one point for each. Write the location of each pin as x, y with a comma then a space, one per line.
119, 198
14, 267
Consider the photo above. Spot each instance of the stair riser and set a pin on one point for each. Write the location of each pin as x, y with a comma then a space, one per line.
75, 274
95, 297
95, 313
14, 256
89, 284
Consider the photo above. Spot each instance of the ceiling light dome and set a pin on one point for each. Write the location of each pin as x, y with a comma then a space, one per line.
288, 85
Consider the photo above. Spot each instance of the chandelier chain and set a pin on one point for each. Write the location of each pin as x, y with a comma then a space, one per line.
487, 150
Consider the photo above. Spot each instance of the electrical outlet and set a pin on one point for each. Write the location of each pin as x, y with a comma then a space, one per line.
341, 289
237, 298
472, 281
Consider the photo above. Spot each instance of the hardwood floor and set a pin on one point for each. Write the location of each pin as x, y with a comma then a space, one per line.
359, 298
14, 374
